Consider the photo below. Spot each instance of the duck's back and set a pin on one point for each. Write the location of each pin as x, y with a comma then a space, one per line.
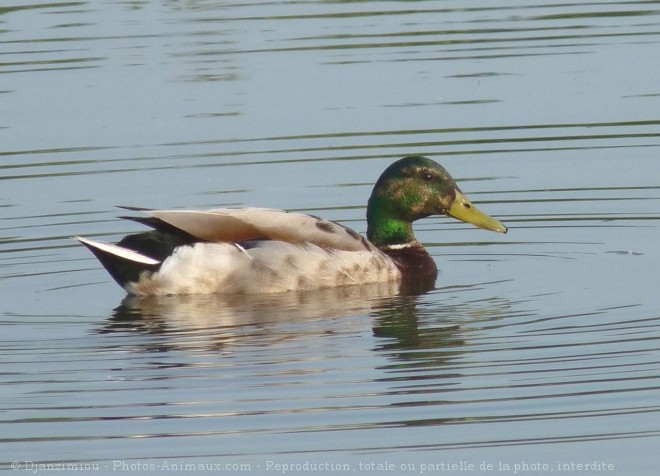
241, 251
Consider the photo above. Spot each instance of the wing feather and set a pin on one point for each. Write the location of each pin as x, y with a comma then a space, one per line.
243, 224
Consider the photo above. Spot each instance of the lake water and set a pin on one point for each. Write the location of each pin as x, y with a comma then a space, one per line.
537, 352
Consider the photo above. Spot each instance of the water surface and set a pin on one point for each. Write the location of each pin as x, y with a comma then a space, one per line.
536, 352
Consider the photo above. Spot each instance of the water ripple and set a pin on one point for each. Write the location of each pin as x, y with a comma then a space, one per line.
543, 342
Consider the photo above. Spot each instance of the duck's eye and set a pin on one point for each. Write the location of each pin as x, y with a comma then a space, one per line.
427, 177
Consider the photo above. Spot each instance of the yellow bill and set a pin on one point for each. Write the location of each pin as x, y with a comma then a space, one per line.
463, 210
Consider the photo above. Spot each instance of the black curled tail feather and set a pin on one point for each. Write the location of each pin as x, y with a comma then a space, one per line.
124, 265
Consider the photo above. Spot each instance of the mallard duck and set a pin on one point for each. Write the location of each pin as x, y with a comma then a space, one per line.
258, 250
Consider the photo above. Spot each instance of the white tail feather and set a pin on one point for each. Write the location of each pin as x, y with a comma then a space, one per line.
118, 251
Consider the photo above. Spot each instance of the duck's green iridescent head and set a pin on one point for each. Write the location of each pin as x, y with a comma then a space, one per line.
412, 188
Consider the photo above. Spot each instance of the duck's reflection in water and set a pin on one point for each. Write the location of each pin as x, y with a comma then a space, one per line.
215, 320
405, 319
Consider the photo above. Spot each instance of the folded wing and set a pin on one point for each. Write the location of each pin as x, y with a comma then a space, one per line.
245, 224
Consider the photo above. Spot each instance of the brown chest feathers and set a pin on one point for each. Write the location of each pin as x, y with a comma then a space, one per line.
418, 269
